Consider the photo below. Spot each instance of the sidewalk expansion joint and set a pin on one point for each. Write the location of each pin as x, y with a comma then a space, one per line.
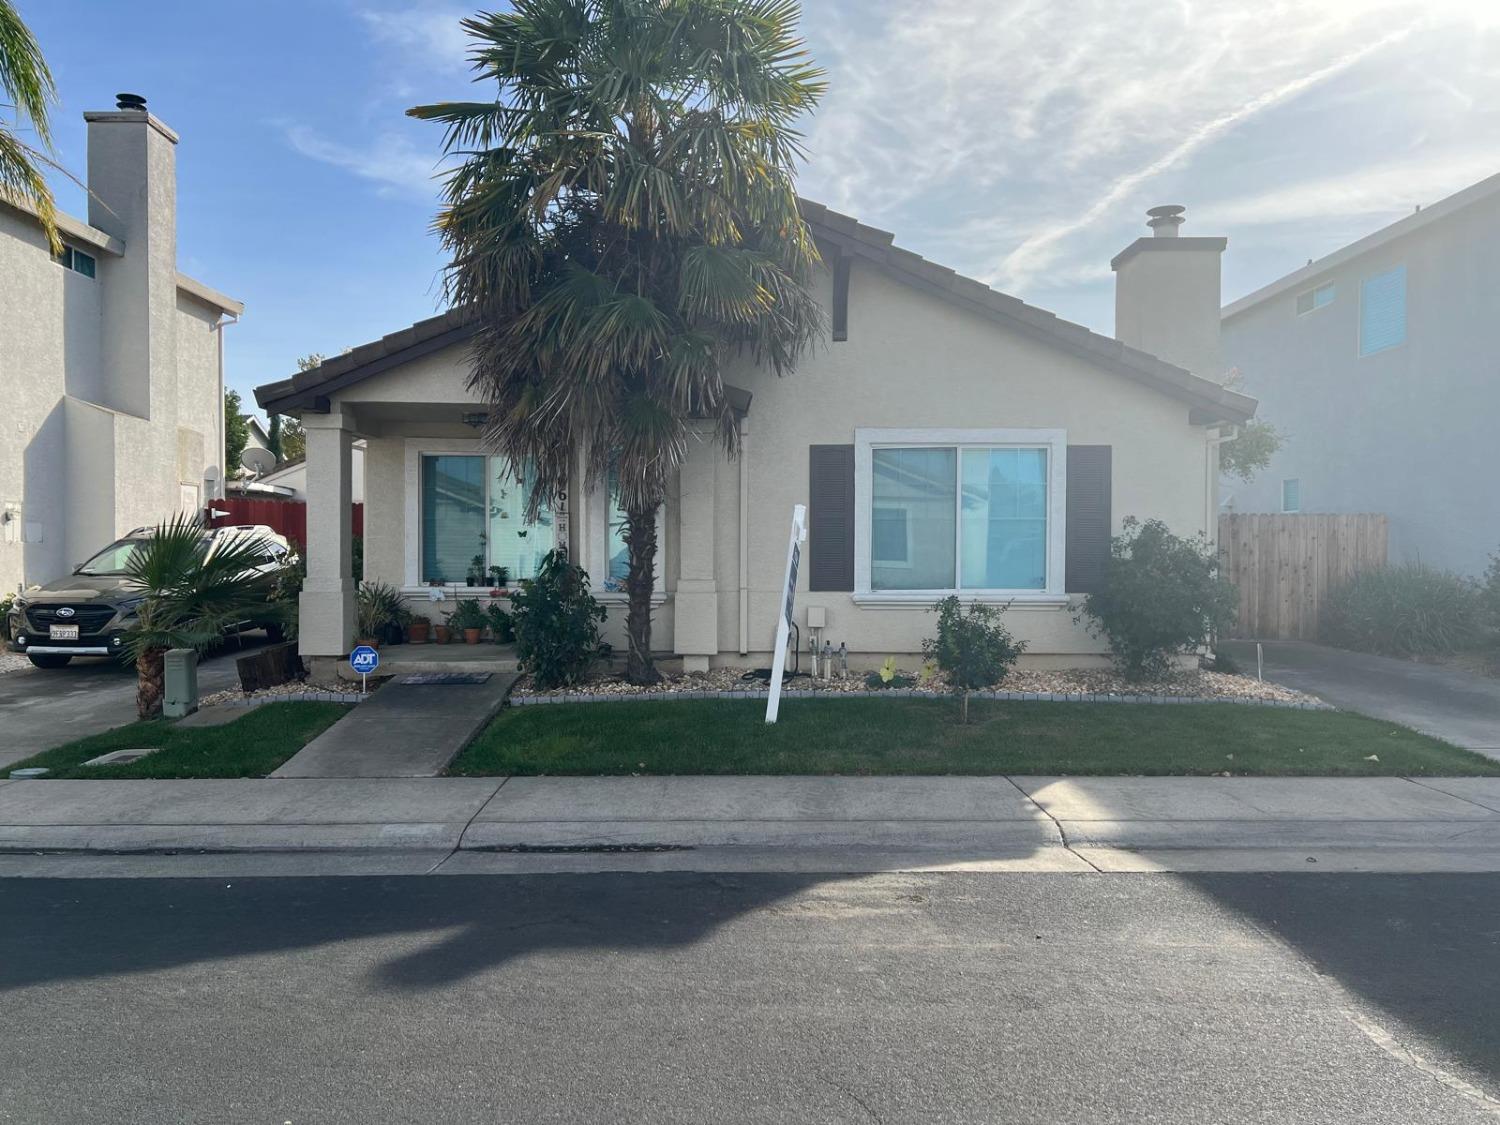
1062, 832
1434, 789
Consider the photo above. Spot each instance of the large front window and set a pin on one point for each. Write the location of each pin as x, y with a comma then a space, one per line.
473, 514
974, 513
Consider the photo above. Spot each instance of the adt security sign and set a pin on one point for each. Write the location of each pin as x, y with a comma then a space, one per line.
789, 596
364, 660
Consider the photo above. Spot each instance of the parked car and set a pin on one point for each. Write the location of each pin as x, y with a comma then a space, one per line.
89, 612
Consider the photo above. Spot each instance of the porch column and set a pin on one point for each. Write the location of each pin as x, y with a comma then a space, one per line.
326, 607
695, 621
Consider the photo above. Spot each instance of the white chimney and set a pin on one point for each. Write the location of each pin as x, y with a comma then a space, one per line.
1167, 294
132, 176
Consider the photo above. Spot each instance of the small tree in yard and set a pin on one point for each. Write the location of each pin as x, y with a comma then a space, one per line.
556, 622
1161, 596
192, 589
975, 650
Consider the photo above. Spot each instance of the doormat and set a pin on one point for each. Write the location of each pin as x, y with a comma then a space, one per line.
444, 679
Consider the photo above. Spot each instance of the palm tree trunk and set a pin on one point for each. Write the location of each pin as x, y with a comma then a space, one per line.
151, 682
640, 584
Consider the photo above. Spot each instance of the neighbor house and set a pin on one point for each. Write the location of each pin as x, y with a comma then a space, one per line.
1377, 364
111, 359
946, 437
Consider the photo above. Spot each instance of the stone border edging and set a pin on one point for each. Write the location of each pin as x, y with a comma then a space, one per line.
297, 697
908, 693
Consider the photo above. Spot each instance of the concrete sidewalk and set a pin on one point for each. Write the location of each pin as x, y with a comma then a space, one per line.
780, 823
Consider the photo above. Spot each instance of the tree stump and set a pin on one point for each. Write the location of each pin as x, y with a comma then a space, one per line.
267, 667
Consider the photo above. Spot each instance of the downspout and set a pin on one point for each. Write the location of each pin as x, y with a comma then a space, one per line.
744, 535
1212, 441
224, 321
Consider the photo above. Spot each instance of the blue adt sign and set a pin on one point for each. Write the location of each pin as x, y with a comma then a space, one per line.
364, 659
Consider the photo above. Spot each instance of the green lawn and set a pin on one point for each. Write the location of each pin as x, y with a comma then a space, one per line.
251, 746
914, 736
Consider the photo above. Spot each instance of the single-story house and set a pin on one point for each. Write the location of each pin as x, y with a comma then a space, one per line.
945, 437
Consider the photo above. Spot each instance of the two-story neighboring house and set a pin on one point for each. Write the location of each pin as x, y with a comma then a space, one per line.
111, 360
1378, 363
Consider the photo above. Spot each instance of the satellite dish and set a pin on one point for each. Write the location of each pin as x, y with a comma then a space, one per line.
259, 461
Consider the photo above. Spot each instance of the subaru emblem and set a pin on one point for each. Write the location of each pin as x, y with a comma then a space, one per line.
65, 611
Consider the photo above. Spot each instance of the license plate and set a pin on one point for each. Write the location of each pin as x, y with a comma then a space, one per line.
63, 632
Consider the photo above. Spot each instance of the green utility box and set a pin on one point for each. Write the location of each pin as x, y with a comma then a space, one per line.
181, 695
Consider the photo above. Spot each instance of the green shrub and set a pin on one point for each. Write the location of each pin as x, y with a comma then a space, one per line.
7, 603
377, 607
1161, 596
502, 626
1406, 610
1489, 595
467, 614
974, 649
557, 623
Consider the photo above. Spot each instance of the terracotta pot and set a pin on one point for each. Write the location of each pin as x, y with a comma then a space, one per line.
471, 636
416, 632
442, 632
373, 642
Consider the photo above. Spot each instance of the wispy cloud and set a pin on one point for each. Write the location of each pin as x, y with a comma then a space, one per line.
390, 161
1018, 140
432, 33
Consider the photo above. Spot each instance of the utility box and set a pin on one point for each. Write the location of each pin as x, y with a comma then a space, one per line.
817, 617
181, 695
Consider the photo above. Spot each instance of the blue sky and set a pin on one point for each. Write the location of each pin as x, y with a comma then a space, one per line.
1018, 141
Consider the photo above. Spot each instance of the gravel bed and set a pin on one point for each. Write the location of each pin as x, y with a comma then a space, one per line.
12, 662
1075, 685
305, 692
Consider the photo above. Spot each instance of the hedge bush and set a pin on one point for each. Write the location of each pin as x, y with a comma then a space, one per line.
1161, 596
1406, 610
557, 623
973, 648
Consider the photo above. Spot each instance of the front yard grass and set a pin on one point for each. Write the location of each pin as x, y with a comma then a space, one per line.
916, 736
250, 746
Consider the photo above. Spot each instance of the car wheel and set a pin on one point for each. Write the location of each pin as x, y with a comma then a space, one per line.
49, 659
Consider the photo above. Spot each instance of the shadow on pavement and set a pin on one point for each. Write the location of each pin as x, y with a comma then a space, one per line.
53, 930
1423, 949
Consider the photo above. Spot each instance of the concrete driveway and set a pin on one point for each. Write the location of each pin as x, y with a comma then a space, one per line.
1446, 702
41, 708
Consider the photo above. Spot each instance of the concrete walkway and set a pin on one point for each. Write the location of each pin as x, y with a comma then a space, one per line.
403, 730
1448, 703
818, 824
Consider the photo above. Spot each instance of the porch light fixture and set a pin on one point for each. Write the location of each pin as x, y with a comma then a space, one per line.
476, 419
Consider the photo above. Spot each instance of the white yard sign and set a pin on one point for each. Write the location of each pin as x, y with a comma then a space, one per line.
784, 622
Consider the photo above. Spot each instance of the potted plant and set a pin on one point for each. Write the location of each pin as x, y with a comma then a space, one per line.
417, 630
499, 576
475, 577
467, 617
378, 606
502, 628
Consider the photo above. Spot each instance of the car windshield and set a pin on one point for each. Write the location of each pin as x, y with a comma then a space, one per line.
113, 559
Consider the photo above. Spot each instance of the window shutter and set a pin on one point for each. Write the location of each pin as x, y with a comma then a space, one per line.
830, 517
1089, 518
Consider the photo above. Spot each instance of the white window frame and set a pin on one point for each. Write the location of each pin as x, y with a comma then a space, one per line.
1284, 482
1054, 441
1332, 288
416, 449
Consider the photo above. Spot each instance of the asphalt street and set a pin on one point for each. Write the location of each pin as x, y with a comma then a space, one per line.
740, 998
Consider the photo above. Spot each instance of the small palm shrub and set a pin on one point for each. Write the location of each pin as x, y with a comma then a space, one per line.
973, 648
379, 607
1161, 596
557, 623
1406, 610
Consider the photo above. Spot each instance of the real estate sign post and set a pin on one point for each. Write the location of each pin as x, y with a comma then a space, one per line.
784, 622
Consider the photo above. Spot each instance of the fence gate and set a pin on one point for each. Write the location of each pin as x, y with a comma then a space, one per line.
1284, 566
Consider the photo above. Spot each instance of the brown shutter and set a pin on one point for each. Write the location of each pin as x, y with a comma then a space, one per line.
1089, 518
830, 517
841, 266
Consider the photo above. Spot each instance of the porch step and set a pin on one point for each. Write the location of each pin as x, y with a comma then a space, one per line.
404, 730
396, 660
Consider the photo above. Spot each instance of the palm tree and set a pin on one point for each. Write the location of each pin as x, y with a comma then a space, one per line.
192, 588
26, 84
623, 222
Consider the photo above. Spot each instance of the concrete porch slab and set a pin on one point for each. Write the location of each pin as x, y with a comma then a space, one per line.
396, 660
403, 730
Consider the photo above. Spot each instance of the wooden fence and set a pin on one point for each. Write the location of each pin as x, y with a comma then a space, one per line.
1284, 566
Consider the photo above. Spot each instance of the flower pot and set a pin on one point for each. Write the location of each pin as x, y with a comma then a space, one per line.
416, 632
373, 642
471, 636
442, 632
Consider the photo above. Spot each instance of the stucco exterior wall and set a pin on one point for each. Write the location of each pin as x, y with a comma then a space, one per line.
112, 383
1408, 431
911, 361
